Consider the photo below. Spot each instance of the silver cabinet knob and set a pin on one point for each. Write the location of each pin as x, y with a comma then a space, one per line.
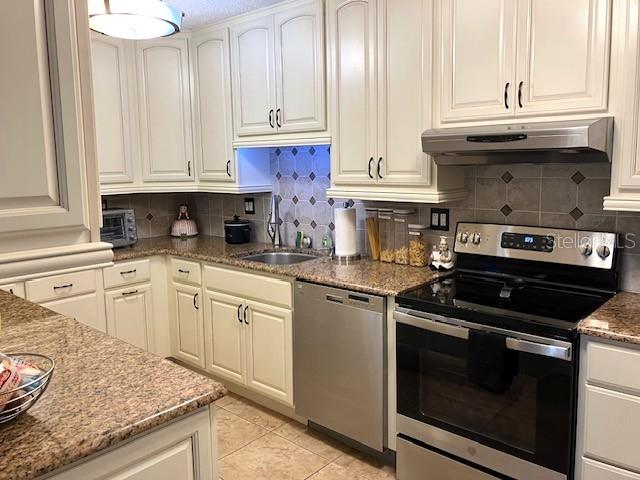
603, 251
476, 238
586, 249
463, 237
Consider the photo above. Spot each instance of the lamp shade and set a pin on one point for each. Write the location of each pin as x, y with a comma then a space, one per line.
134, 19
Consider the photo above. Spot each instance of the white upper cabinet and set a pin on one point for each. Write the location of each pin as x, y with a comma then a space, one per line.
380, 68
212, 106
277, 62
563, 56
165, 112
299, 42
352, 27
42, 151
505, 58
477, 66
112, 107
404, 89
253, 62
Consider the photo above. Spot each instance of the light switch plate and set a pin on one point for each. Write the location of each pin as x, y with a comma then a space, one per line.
440, 219
249, 206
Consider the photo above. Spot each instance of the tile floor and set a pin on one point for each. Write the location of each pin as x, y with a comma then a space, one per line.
255, 443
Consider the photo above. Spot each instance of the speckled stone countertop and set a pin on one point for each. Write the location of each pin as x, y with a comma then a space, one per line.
364, 276
618, 319
103, 391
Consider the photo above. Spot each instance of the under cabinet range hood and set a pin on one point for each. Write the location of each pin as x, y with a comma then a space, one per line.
573, 141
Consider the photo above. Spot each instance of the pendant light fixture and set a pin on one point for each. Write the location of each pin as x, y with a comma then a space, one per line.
134, 19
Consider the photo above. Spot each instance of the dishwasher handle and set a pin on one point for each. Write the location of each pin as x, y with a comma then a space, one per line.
334, 298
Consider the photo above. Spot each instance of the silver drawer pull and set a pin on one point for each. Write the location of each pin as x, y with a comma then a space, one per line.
126, 294
128, 272
60, 287
186, 272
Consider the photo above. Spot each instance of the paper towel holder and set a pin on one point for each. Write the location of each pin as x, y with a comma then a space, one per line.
346, 259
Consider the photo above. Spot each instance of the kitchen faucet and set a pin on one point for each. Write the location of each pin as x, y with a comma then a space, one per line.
273, 227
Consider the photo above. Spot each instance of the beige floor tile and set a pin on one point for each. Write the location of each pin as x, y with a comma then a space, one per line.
257, 414
270, 457
235, 432
357, 463
336, 472
313, 441
227, 399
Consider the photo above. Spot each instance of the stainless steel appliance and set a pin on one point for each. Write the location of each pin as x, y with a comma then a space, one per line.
119, 227
339, 358
543, 142
486, 358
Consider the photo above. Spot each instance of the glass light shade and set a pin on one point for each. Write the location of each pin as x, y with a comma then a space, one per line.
134, 19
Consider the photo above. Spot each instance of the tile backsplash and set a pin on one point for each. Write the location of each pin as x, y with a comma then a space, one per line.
561, 196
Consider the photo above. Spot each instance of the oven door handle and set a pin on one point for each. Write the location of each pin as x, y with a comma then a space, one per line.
516, 344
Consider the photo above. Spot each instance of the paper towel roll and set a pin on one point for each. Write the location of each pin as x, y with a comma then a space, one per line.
345, 223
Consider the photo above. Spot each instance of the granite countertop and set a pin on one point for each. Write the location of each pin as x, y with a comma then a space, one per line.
103, 391
618, 319
365, 276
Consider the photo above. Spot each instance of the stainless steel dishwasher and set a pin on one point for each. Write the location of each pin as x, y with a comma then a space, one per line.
339, 362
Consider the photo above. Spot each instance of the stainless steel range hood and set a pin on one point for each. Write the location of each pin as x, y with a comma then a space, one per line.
574, 141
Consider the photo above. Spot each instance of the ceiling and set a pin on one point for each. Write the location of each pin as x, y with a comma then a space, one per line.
200, 12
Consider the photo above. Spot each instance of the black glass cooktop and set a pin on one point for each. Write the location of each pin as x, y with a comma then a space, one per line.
515, 303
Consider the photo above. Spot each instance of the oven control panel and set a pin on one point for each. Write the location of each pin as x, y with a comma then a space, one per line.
570, 247
527, 241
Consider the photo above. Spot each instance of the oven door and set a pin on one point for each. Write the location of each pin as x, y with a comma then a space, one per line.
113, 229
523, 432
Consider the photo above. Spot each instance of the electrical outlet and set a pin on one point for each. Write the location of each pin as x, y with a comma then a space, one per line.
440, 219
249, 206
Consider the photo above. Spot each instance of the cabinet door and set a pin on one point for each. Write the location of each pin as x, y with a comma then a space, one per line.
404, 85
254, 90
224, 333
130, 315
352, 43
84, 308
300, 68
188, 327
41, 129
476, 65
165, 113
16, 289
112, 101
212, 107
563, 56
269, 351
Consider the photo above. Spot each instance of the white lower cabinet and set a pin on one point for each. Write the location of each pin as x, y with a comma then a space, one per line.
249, 341
184, 450
269, 355
608, 412
130, 315
84, 308
16, 289
188, 328
224, 333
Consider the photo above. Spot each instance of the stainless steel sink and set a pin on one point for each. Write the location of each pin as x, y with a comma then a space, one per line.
279, 258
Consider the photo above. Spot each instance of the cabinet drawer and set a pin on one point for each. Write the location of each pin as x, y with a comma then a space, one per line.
185, 271
592, 470
248, 285
612, 427
126, 273
61, 286
613, 366
16, 289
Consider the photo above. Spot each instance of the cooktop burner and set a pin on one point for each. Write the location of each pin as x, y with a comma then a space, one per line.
499, 282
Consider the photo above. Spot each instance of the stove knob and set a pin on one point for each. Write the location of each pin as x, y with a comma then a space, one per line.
603, 251
464, 237
586, 249
475, 238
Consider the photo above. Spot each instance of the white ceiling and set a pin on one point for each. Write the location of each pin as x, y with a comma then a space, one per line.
200, 12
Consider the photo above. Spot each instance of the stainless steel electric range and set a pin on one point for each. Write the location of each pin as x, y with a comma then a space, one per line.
486, 358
